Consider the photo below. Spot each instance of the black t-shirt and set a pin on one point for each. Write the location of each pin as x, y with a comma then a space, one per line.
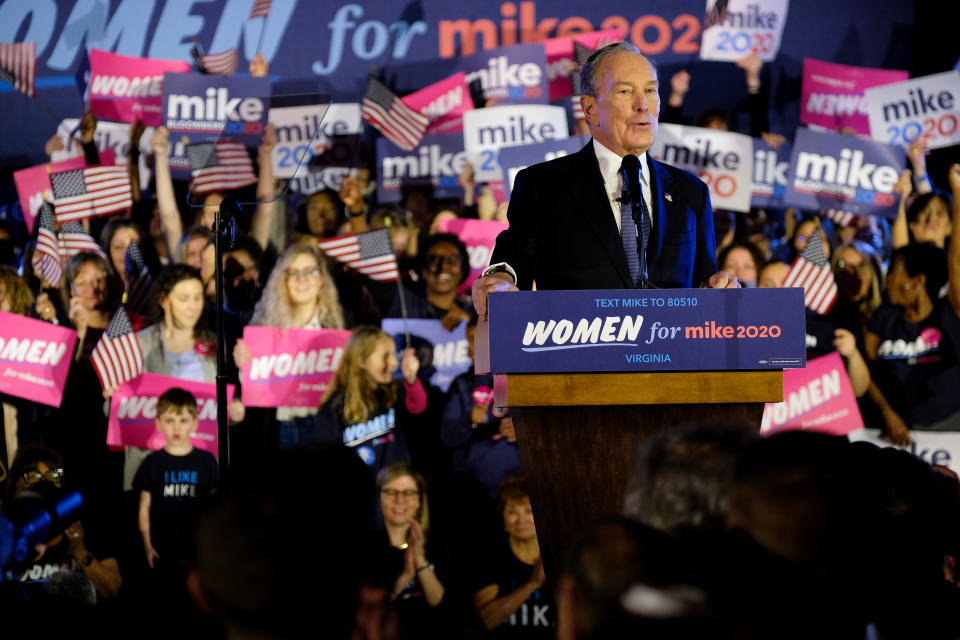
917, 364
536, 617
178, 487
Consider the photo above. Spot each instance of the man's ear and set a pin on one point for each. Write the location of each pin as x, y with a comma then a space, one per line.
589, 106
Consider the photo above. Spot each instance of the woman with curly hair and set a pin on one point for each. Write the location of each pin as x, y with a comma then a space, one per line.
365, 408
299, 294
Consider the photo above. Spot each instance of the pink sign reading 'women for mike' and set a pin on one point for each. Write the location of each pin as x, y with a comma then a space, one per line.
124, 88
133, 412
33, 183
480, 236
831, 94
35, 358
444, 102
818, 397
290, 367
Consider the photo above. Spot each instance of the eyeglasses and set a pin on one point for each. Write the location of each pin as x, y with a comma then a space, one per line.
33, 477
294, 274
393, 494
446, 261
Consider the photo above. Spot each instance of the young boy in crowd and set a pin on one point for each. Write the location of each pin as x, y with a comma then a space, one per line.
173, 482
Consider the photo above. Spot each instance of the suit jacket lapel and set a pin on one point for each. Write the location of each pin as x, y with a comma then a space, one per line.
660, 179
589, 194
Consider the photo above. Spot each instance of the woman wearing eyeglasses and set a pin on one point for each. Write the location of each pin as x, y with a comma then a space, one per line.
417, 590
69, 551
299, 294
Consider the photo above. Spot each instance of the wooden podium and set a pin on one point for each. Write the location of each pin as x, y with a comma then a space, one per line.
577, 432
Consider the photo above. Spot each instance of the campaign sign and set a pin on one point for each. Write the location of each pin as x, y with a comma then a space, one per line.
833, 171
770, 168
512, 74
436, 163
202, 107
289, 367
514, 159
933, 447
444, 102
124, 88
818, 397
747, 26
722, 159
485, 131
561, 64
479, 236
646, 330
831, 95
133, 412
443, 354
310, 180
35, 357
927, 106
297, 126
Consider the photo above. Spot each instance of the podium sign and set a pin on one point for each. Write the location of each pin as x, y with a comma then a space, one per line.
647, 330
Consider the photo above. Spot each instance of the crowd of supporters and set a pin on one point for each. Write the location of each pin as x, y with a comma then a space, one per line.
863, 536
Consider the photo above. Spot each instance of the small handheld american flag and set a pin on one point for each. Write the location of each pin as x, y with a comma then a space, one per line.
370, 253
219, 64
118, 357
811, 270
398, 123
72, 239
138, 280
220, 166
260, 9
92, 191
46, 255
18, 66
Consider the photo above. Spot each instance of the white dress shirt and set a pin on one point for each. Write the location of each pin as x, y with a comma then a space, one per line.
613, 182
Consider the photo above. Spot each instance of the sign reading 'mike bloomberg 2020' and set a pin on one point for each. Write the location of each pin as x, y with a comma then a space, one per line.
203, 108
647, 330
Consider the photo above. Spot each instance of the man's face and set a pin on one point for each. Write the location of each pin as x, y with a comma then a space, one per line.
623, 115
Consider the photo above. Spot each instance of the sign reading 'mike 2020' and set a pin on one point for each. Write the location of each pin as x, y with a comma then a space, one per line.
647, 330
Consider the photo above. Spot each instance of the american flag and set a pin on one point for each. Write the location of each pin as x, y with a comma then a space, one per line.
811, 270
842, 218
261, 8
138, 280
46, 255
392, 117
220, 166
18, 66
220, 64
370, 253
72, 240
92, 191
118, 356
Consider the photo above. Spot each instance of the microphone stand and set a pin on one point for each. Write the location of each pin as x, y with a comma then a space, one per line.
225, 235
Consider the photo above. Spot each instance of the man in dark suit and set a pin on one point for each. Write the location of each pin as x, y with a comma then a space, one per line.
600, 219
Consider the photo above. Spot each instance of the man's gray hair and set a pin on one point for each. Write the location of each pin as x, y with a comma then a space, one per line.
590, 73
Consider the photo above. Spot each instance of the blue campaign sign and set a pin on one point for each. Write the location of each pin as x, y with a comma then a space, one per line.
647, 330
513, 159
435, 164
203, 107
443, 354
833, 171
770, 168
514, 74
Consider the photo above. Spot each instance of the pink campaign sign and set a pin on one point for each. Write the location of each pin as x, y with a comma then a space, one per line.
818, 397
445, 102
560, 62
33, 183
290, 367
35, 357
480, 236
124, 88
831, 95
133, 412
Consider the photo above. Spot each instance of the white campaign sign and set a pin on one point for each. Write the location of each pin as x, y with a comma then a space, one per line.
485, 131
747, 25
296, 127
933, 447
109, 135
927, 106
722, 159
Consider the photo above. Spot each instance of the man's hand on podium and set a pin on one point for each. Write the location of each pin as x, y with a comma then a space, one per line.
487, 285
721, 280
